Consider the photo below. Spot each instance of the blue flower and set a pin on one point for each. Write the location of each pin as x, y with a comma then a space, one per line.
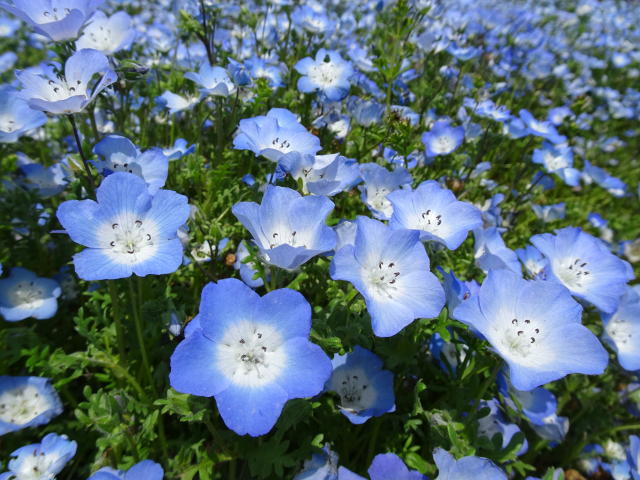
558, 159
533, 261
57, 24
491, 253
17, 116
611, 184
435, 213
494, 423
108, 34
246, 268
633, 456
390, 268
26, 402
385, 466
45, 91
23, 294
584, 265
288, 228
275, 134
260, 68
365, 389
448, 355
251, 354
179, 149
328, 74
321, 466
550, 213
48, 458
323, 174
378, 183
176, 103
46, 181
119, 154
312, 20
442, 139
127, 230
622, 330
144, 470
213, 81
466, 468
539, 128
535, 327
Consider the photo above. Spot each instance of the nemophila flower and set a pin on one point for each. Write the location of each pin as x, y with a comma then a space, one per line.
558, 159
246, 268
179, 149
558, 114
442, 139
108, 34
494, 423
23, 294
435, 212
7, 61
488, 109
365, 389
46, 181
46, 91
365, 112
390, 268
144, 470
275, 134
213, 81
127, 230
633, 456
321, 174
533, 261
328, 74
491, 253
466, 468
448, 355
539, 128
456, 290
321, 466
16, 117
600, 176
26, 402
535, 327
41, 461
622, 330
584, 265
119, 154
176, 103
252, 354
550, 213
260, 68
56, 20
312, 20
385, 466
378, 183
8, 26
288, 228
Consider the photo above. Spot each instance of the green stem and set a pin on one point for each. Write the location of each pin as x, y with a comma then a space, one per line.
137, 320
85, 162
117, 318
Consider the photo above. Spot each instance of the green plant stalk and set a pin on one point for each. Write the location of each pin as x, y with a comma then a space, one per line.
117, 318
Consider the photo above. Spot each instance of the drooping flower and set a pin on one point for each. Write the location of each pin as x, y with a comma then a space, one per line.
288, 228
534, 325
584, 265
55, 20
16, 116
23, 294
46, 91
213, 81
26, 402
252, 354
328, 74
127, 230
378, 183
435, 213
390, 268
466, 468
365, 389
47, 458
321, 174
442, 139
108, 34
119, 154
275, 134
622, 330
144, 470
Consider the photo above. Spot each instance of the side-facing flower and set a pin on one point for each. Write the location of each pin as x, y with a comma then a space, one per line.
252, 354
385, 466
119, 154
127, 230
534, 325
212, 80
16, 116
321, 174
55, 20
442, 139
23, 294
144, 470
275, 134
390, 268
108, 34
321, 466
584, 265
328, 74
288, 228
45, 90
378, 183
47, 458
365, 389
466, 468
26, 402
622, 330
494, 423
435, 212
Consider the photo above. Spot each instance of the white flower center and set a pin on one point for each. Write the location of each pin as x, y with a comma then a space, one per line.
128, 239
430, 220
37, 466
443, 144
554, 162
621, 332
22, 404
53, 15
324, 74
251, 354
61, 90
7, 124
574, 273
354, 388
521, 336
27, 294
383, 279
101, 37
